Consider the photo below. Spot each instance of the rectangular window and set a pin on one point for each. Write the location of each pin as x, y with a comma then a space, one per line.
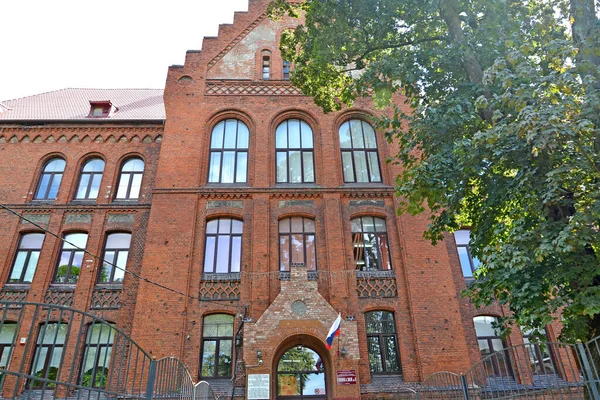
27, 257
468, 263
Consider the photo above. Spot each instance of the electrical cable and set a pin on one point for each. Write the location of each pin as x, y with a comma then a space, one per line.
116, 266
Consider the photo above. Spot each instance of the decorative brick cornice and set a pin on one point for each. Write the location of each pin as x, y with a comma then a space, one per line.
44, 208
80, 134
279, 193
236, 40
263, 88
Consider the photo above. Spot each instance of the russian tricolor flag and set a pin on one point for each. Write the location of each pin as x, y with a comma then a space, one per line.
334, 331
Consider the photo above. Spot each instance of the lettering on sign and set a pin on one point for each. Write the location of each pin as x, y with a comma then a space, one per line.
218, 204
258, 386
376, 203
346, 377
291, 203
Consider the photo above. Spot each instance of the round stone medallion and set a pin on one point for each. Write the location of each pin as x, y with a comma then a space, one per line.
299, 307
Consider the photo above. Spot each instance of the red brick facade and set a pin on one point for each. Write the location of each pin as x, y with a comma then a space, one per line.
433, 326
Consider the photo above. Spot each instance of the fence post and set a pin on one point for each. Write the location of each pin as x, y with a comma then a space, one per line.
465, 387
151, 380
588, 373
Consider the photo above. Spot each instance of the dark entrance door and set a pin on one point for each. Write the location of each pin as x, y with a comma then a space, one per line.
301, 375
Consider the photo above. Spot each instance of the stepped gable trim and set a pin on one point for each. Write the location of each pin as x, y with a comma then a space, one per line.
237, 39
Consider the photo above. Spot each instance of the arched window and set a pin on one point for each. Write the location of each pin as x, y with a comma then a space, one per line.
27, 257
301, 374
490, 342
71, 258
370, 242
96, 355
297, 243
217, 346
229, 152
295, 159
116, 251
130, 181
89, 182
223, 251
48, 353
382, 343
50, 180
8, 334
360, 161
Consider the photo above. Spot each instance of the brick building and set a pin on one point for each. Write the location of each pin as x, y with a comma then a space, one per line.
266, 216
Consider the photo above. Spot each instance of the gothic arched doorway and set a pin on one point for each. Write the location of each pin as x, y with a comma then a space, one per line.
301, 375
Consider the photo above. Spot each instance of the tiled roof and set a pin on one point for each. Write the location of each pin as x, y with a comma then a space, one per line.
74, 105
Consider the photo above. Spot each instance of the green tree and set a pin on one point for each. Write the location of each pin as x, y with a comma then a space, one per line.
503, 134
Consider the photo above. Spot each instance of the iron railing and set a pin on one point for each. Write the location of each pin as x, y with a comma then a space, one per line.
51, 351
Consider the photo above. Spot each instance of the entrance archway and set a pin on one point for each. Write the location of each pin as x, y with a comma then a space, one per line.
301, 375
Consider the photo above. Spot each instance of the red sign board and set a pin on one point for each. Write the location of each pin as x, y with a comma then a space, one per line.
346, 377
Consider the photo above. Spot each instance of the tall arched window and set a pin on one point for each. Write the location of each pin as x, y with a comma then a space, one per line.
89, 182
116, 251
130, 181
26, 258
71, 258
229, 152
217, 346
295, 159
50, 180
297, 243
381, 342
490, 342
48, 353
223, 252
360, 161
370, 242
96, 355
301, 374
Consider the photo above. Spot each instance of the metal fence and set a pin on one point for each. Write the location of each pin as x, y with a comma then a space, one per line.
50, 351
530, 371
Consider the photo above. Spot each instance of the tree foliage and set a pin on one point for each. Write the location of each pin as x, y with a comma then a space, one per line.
503, 134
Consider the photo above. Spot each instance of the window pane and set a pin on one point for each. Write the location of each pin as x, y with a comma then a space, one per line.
281, 136
382, 242
32, 241
56, 165
228, 167
106, 271
357, 134
345, 142
465, 262
223, 254
297, 224
360, 163
374, 167
243, 136
123, 185
18, 266
209, 254
208, 357
31, 266
375, 361
224, 358
368, 224
215, 167
309, 225
95, 186
8, 333
121, 263
295, 167
314, 384
294, 133
281, 167
236, 251
83, 186
307, 136
462, 236
136, 184
133, 165
236, 226
288, 385
211, 226
311, 258
391, 354
356, 225
309, 173
224, 225
41, 193
242, 162
370, 141
118, 241
94, 166
54, 185
78, 240
230, 134
284, 253
348, 166
216, 141
284, 225
297, 249
483, 326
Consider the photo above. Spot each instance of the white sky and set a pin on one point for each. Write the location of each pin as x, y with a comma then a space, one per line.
48, 45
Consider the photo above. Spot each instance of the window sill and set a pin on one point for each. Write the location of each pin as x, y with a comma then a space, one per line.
17, 286
366, 185
215, 276
287, 185
42, 201
241, 185
66, 287
108, 286
83, 201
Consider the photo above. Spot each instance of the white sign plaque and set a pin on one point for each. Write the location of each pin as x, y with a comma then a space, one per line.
258, 386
